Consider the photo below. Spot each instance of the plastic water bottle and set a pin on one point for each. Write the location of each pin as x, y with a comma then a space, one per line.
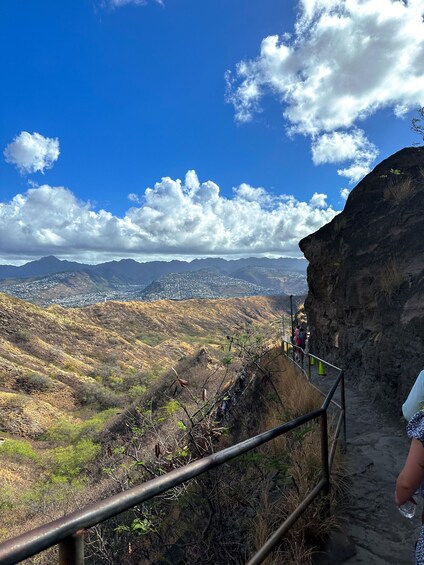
408, 509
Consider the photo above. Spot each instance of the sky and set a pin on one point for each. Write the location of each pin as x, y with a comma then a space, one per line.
162, 129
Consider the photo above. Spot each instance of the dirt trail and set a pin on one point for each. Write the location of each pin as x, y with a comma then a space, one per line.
376, 450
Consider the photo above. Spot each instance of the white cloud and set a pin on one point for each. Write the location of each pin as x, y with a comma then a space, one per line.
134, 197
318, 201
354, 172
344, 193
32, 152
346, 60
175, 219
340, 146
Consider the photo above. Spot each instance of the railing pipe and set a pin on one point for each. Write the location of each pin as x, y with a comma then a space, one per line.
336, 435
326, 363
68, 531
333, 389
71, 549
325, 461
47, 535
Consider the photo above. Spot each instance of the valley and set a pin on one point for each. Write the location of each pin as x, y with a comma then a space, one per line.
71, 378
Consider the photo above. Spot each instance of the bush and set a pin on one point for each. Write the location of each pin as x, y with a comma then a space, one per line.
69, 461
136, 391
20, 451
34, 382
65, 433
96, 393
22, 336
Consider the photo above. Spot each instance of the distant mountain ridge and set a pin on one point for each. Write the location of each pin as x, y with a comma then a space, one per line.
70, 284
130, 271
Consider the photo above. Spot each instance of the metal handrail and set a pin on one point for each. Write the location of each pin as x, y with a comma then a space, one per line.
329, 397
326, 457
68, 531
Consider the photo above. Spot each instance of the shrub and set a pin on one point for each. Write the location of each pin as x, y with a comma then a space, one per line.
65, 432
22, 336
20, 451
136, 391
227, 360
69, 461
34, 382
171, 407
96, 393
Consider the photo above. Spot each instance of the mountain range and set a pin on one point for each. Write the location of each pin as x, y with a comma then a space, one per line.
67, 283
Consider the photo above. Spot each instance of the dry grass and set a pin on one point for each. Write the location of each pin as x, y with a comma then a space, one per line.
298, 395
399, 191
391, 277
25, 416
277, 490
302, 449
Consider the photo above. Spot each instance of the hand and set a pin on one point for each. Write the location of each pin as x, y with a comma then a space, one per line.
398, 503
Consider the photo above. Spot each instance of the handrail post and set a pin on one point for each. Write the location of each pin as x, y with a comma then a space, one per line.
71, 549
343, 405
324, 460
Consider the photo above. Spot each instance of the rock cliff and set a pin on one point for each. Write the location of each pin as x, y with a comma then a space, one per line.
365, 304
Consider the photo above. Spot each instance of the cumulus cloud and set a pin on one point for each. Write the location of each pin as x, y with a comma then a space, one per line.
345, 60
340, 146
174, 218
344, 193
31, 153
318, 200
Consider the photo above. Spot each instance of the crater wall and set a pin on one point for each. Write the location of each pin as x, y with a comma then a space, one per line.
365, 304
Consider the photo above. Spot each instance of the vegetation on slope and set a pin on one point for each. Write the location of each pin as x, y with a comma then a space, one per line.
225, 515
65, 374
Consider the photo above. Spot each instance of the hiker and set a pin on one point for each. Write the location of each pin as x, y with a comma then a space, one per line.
412, 474
415, 400
299, 352
302, 335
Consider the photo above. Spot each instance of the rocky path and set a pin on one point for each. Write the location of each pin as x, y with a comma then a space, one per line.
376, 450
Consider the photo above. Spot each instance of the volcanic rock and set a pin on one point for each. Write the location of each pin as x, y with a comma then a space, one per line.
365, 276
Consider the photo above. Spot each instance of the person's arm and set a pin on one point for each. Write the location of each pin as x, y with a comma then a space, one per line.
412, 474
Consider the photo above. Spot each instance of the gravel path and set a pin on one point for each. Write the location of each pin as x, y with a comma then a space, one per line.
376, 450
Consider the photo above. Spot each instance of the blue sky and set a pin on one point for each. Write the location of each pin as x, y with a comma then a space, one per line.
269, 112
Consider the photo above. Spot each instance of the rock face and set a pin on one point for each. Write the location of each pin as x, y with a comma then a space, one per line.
365, 304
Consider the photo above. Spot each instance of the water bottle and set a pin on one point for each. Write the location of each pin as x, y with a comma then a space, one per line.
408, 509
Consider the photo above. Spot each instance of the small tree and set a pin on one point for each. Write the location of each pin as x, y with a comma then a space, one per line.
417, 124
